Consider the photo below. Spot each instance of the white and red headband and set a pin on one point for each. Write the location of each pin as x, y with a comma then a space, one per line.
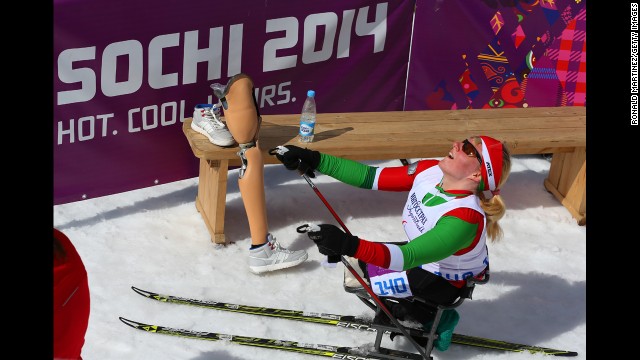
492, 164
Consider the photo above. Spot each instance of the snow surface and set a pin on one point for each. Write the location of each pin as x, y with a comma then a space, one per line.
155, 239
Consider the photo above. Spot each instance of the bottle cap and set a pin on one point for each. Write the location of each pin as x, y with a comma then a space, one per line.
311, 93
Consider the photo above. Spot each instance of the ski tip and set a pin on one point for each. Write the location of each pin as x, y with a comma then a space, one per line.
133, 324
140, 291
128, 322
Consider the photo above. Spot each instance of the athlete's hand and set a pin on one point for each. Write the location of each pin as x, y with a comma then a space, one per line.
332, 241
297, 158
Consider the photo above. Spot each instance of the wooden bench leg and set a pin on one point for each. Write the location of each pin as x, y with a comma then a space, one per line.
567, 182
212, 196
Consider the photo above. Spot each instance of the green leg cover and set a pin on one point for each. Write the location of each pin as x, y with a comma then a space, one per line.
448, 322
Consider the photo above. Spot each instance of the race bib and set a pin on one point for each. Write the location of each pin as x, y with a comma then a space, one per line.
385, 282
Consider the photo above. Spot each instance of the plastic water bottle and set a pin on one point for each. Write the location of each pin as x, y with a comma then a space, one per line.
308, 118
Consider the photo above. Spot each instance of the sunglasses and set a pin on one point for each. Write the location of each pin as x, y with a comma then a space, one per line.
470, 150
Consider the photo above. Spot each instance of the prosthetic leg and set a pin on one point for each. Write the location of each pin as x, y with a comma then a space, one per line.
243, 120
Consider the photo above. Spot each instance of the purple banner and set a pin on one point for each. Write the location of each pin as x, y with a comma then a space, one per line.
497, 53
127, 74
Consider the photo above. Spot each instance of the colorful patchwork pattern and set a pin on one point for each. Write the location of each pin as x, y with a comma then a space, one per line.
557, 78
496, 68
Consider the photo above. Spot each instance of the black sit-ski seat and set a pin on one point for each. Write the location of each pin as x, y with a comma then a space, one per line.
422, 336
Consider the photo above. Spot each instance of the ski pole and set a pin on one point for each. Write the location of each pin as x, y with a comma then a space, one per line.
303, 171
330, 258
355, 273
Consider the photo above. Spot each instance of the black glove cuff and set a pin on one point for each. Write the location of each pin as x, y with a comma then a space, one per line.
314, 159
350, 245
309, 161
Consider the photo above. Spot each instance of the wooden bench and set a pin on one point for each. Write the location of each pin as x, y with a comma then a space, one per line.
406, 135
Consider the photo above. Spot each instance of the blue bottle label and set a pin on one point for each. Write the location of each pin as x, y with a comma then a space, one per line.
306, 128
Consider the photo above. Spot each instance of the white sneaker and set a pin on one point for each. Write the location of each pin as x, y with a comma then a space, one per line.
271, 256
206, 121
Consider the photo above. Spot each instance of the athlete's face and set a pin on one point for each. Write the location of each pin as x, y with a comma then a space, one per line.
463, 159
